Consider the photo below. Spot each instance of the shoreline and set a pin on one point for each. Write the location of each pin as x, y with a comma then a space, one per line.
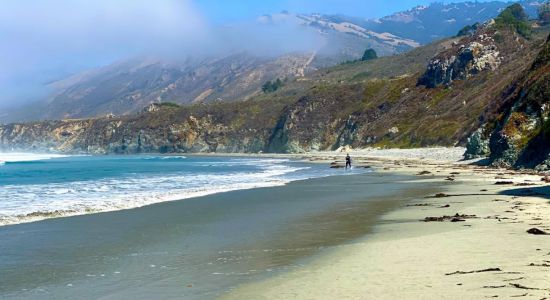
486, 253
363, 158
168, 196
199, 248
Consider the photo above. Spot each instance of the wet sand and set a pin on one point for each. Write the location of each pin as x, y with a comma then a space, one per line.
486, 253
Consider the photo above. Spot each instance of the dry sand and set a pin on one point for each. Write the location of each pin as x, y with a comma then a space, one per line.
490, 255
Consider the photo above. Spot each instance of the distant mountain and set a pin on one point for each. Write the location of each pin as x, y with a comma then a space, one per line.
424, 24
334, 31
128, 86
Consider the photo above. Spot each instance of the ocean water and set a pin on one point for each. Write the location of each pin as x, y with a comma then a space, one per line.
40, 186
197, 248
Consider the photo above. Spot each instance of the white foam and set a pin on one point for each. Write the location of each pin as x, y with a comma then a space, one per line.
35, 202
23, 157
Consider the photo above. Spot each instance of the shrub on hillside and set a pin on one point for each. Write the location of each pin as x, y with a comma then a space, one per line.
369, 55
544, 13
270, 87
468, 30
515, 17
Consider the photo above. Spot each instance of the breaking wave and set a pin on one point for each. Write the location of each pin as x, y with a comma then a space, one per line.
26, 157
33, 202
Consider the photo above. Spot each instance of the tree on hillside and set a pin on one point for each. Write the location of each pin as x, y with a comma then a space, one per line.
369, 54
544, 13
270, 86
515, 17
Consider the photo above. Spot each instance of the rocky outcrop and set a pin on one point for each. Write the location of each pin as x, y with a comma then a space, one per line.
477, 145
467, 57
520, 135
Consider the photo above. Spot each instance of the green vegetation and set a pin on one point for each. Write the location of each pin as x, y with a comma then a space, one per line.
369, 54
372, 88
440, 95
544, 13
514, 17
270, 87
404, 143
468, 30
498, 37
361, 76
168, 104
518, 129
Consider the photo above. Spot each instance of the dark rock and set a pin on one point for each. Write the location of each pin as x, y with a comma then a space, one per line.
477, 146
504, 182
424, 173
536, 231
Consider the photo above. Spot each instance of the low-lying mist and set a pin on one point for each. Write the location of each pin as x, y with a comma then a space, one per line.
45, 41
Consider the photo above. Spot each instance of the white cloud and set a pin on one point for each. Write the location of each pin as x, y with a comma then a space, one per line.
46, 40
41, 39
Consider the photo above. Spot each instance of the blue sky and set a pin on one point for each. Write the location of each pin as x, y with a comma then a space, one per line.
220, 11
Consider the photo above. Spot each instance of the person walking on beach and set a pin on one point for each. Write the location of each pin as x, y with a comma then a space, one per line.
348, 161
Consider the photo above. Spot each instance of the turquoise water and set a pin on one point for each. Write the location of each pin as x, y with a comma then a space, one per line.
34, 187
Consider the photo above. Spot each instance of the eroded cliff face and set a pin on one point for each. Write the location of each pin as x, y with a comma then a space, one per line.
120, 136
315, 122
519, 136
376, 103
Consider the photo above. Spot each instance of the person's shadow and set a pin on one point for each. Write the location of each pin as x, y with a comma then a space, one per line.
535, 191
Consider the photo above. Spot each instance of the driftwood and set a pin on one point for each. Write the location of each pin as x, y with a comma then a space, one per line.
476, 271
494, 286
504, 182
424, 173
522, 295
519, 286
455, 218
514, 279
539, 265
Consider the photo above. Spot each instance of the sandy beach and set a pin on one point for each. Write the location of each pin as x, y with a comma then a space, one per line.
469, 242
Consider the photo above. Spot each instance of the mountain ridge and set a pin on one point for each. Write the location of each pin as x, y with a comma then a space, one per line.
374, 103
239, 76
